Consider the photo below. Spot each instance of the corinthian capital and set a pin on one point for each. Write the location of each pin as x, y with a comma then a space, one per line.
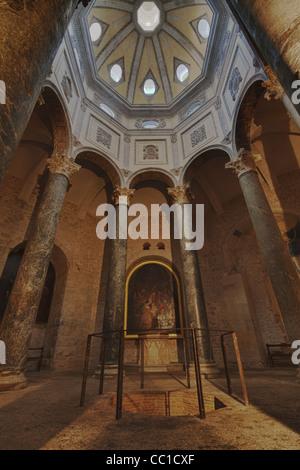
274, 89
181, 194
59, 164
245, 161
122, 193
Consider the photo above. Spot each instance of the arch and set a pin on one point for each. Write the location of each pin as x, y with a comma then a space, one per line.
8, 277
141, 176
205, 154
99, 164
244, 112
169, 289
59, 118
51, 302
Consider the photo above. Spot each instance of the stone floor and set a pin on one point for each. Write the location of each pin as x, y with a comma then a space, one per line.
47, 415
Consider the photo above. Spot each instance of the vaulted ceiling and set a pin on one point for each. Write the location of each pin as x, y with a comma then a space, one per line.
150, 55
156, 41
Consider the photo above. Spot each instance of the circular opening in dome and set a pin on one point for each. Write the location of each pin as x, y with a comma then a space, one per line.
116, 73
107, 110
204, 28
148, 16
149, 87
95, 31
182, 72
150, 124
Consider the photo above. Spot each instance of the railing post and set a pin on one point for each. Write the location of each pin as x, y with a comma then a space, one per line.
142, 344
240, 366
226, 364
120, 376
103, 358
86, 370
198, 376
187, 371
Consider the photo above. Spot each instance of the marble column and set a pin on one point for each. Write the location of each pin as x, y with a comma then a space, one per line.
274, 28
29, 30
194, 302
280, 268
20, 315
115, 294
275, 91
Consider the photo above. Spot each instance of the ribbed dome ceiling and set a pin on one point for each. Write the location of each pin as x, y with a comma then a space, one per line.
150, 52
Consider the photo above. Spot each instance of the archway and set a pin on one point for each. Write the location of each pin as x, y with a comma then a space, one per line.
6, 284
44, 334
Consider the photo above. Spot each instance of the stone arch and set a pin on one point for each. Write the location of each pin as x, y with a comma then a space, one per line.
58, 114
206, 154
151, 174
173, 266
92, 160
245, 109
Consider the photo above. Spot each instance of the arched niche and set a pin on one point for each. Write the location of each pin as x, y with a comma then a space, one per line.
153, 309
59, 118
153, 299
47, 323
210, 183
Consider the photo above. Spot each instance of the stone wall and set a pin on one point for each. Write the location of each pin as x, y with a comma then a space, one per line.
237, 289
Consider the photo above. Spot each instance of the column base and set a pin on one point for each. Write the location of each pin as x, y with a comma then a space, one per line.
12, 380
208, 371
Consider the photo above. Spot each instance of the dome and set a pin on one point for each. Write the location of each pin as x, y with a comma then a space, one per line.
161, 50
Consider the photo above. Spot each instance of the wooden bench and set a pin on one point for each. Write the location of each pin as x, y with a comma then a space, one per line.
35, 357
280, 351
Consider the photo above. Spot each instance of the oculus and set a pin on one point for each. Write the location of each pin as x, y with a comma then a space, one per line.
149, 87
182, 73
116, 73
148, 16
95, 31
204, 28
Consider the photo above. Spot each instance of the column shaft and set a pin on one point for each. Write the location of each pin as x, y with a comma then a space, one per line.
274, 27
115, 294
275, 90
195, 308
194, 301
116, 283
282, 273
283, 276
20, 315
30, 36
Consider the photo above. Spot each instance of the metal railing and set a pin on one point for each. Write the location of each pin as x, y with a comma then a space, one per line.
189, 336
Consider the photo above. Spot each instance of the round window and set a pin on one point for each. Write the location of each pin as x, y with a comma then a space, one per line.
204, 28
182, 72
95, 31
149, 87
116, 73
